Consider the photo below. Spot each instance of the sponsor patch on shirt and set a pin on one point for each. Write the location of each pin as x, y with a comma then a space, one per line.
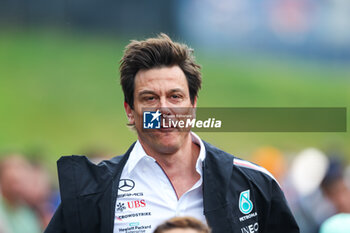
133, 215
251, 228
135, 227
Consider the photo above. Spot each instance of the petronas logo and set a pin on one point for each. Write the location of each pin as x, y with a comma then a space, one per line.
245, 204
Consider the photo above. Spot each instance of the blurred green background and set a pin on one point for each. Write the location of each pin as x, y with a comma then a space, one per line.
60, 94
59, 80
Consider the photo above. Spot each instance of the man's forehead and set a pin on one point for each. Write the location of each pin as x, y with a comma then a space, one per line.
161, 72
165, 78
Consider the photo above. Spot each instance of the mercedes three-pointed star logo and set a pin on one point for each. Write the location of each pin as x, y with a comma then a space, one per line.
126, 185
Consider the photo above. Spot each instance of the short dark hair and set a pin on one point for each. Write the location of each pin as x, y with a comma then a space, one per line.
183, 223
153, 53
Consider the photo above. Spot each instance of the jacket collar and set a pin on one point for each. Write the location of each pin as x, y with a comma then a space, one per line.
217, 172
115, 165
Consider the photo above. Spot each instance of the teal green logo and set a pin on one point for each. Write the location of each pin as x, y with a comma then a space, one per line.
133, 224
245, 204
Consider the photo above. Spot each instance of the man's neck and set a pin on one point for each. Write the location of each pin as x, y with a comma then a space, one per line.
186, 154
180, 167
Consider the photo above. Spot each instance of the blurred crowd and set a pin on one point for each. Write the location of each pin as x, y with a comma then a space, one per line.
27, 200
316, 185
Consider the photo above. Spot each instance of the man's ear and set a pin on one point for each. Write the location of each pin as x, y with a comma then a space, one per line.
129, 114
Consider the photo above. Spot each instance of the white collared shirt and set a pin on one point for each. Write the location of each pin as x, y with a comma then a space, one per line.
146, 197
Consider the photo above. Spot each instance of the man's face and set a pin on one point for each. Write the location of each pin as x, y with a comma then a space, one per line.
156, 88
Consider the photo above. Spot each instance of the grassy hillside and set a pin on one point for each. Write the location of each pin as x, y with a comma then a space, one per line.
59, 94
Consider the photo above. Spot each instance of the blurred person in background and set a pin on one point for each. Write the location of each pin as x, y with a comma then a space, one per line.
182, 225
38, 193
302, 183
272, 160
335, 187
339, 223
15, 215
320, 187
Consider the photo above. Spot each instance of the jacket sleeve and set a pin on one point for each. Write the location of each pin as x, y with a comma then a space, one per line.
65, 214
280, 217
56, 224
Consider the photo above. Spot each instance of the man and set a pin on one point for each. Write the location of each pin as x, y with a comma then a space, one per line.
168, 172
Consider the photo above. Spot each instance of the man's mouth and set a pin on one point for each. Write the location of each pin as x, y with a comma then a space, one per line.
167, 129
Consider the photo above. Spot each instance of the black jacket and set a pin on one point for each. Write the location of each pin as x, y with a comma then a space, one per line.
88, 194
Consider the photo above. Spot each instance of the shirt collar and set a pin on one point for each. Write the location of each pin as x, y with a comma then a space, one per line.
138, 153
196, 139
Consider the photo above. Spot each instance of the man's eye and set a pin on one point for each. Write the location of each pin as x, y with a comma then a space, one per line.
175, 96
149, 98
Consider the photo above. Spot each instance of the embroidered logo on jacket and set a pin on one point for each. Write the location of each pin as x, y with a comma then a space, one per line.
126, 185
245, 204
120, 207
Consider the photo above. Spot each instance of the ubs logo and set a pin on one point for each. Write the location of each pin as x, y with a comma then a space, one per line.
136, 204
126, 185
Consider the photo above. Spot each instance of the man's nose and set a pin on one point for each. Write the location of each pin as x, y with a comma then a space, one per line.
164, 105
